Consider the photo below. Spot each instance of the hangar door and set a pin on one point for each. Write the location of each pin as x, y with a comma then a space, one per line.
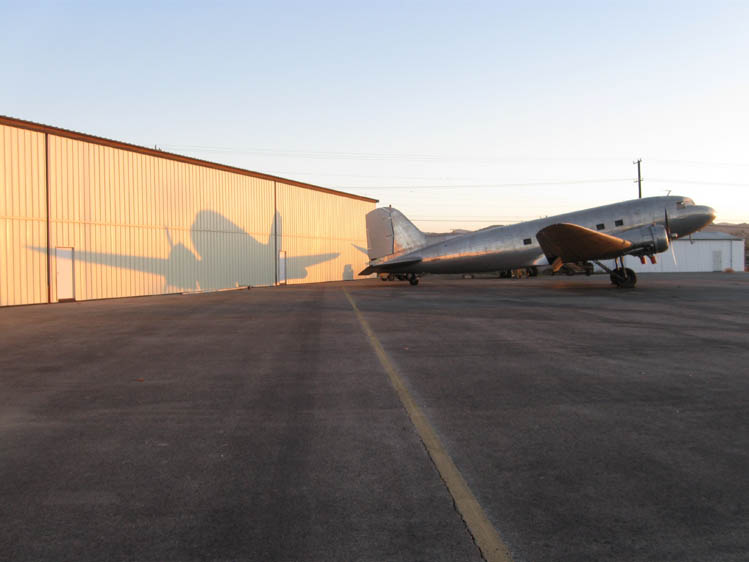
65, 275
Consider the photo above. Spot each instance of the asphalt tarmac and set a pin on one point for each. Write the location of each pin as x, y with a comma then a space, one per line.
588, 422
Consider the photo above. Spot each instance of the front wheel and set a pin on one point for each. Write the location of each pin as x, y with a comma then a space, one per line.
624, 278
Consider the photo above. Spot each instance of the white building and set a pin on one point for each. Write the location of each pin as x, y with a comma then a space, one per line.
706, 251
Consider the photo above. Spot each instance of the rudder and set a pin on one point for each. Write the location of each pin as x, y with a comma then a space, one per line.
389, 232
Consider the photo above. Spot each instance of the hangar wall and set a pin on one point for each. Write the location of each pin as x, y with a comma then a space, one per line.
338, 245
144, 223
23, 215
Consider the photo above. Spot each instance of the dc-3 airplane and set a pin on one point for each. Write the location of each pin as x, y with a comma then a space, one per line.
641, 227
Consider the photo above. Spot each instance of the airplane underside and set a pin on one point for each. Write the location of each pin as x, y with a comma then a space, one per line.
620, 276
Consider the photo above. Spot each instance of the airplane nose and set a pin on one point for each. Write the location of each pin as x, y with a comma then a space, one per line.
705, 215
692, 219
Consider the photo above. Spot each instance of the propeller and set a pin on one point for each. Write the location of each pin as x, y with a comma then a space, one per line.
670, 238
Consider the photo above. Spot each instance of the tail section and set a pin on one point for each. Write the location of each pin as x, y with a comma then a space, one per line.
389, 232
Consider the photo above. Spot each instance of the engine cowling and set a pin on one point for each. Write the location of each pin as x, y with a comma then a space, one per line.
647, 240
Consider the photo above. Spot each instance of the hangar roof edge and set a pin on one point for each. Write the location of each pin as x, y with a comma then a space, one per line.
712, 235
66, 133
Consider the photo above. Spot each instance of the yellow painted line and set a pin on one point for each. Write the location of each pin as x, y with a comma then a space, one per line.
486, 536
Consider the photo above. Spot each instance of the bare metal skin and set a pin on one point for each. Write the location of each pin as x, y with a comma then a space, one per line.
641, 227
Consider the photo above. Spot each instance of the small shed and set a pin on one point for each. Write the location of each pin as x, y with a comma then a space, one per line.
706, 251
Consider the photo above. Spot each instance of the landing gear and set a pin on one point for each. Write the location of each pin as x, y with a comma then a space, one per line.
622, 277
412, 278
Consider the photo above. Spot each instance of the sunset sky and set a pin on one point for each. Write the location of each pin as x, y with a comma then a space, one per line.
460, 114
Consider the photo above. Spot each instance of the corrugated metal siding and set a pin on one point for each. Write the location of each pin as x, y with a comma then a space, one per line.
690, 257
143, 225
23, 232
324, 235
737, 255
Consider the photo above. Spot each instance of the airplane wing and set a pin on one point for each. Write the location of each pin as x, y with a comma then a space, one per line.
157, 266
573, 243
390, 265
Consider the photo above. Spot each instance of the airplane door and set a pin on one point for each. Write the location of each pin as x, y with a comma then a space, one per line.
65, 274
282, 268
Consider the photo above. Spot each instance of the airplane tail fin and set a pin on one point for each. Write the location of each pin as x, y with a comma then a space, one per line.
389, 231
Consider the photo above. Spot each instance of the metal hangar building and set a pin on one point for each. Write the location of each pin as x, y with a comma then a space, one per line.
83, 217
701, 252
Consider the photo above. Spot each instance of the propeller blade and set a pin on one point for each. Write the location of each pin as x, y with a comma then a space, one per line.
670, 238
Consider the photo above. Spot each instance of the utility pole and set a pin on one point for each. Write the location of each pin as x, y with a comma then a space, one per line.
639, 179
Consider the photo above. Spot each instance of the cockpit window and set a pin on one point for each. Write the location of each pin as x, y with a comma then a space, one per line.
687, 202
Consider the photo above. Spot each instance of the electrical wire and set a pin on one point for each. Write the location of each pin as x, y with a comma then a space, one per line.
700, 163
699, 182
379, 155
483, 185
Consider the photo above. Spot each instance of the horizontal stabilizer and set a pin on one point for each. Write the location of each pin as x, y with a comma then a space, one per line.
573, 243
391, 265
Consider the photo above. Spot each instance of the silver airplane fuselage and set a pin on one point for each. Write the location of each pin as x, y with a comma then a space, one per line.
516, 246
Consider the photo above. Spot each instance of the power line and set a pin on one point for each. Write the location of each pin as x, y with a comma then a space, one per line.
698, 182
541, 183
406, 156
700, 162
344, 155
482, 185
418, 156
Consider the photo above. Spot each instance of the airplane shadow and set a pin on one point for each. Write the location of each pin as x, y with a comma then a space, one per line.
224, 256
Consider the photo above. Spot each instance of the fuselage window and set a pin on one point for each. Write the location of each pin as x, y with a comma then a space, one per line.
600, 226
620, 222
527, 241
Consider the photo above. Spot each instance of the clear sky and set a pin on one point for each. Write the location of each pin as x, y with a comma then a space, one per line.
475, 113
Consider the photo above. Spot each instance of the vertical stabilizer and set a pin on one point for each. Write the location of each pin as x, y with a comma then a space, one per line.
389, 232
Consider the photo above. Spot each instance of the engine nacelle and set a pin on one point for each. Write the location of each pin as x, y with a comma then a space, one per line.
647, 240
